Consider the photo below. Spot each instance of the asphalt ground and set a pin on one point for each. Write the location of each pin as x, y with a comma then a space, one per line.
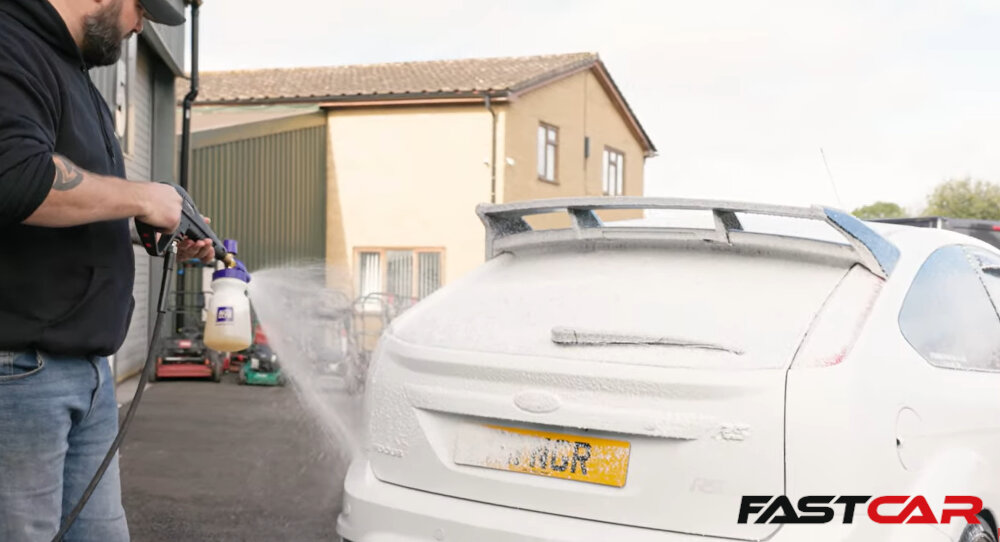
219, 461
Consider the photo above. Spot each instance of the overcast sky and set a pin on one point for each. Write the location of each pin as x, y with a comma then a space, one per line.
739, 97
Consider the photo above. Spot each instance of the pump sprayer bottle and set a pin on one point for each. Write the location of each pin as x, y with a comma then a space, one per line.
228, 327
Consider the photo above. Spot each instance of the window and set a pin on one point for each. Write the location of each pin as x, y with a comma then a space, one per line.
399, 272
369, 274
548, 142
399, 276
948, 316
614, 172
428, 273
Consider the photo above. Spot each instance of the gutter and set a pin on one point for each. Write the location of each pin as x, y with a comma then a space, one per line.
186, 134
487, 101
190, 98
332, 102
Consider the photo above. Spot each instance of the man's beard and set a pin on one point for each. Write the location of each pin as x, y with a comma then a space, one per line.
102, 41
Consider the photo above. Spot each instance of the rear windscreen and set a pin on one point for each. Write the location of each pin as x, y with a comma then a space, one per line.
755, 309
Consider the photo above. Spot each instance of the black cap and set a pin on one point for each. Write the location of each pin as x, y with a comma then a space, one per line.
163, 12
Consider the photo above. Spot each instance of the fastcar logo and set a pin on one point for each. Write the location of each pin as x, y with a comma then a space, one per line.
824, 509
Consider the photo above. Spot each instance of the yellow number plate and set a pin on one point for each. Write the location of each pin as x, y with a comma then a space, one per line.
585, 459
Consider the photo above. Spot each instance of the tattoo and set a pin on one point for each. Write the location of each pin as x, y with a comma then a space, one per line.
68, 176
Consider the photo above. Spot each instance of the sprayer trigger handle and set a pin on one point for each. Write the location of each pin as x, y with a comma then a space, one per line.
147, 236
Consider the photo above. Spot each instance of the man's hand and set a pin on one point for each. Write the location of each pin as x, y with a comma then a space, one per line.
203, 250
188, 249
161, 206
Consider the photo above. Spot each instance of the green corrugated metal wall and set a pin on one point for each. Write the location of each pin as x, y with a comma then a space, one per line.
264, 184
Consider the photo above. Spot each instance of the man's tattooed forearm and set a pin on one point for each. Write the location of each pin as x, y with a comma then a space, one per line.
68, 176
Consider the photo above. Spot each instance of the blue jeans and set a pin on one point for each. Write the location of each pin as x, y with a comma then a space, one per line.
58, 416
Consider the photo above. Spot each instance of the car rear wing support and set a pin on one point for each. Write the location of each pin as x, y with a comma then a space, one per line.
506, 227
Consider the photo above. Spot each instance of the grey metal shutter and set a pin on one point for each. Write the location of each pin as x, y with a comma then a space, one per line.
138, 158
138, 167
104, 80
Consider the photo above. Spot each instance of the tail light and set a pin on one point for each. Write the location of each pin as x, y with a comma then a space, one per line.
836, 328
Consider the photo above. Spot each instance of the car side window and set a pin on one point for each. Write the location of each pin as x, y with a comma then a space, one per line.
989, 264
948, 316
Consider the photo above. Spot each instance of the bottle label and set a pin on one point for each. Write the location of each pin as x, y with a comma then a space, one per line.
224, 314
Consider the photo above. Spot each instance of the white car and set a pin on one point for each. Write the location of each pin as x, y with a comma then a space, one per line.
617, 382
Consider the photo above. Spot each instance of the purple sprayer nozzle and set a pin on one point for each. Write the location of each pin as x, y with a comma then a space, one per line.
239, 271
236, 269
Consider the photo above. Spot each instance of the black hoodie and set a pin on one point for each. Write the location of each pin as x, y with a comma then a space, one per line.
62, 290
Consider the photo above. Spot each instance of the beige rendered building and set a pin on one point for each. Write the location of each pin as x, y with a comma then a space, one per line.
414, 147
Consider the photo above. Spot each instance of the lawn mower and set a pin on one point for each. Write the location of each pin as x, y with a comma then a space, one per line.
262, 367
233, 362
182, 352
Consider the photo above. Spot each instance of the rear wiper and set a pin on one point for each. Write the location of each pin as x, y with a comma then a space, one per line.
576, 337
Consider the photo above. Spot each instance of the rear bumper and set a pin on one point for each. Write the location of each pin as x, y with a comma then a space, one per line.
374, 511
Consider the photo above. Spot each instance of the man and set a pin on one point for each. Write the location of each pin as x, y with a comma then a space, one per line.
66, 261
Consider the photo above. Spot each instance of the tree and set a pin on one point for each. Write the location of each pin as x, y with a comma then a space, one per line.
879, 209
965, 198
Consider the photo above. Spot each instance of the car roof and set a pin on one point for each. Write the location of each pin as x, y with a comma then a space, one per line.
916, 244
916, 236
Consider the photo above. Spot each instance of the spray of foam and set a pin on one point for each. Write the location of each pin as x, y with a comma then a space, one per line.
308, 325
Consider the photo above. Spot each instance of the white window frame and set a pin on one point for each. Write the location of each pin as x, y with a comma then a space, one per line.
548, 152
613, 172
363, 289
383, 274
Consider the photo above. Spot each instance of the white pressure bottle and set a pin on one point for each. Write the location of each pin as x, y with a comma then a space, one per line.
228, 327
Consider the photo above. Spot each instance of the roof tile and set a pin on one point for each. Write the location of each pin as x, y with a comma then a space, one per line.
431, 77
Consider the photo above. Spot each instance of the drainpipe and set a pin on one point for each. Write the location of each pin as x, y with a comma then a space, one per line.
179, 318
493, 156
190, 97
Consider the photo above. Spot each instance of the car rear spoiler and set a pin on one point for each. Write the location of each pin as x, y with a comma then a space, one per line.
507, 229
